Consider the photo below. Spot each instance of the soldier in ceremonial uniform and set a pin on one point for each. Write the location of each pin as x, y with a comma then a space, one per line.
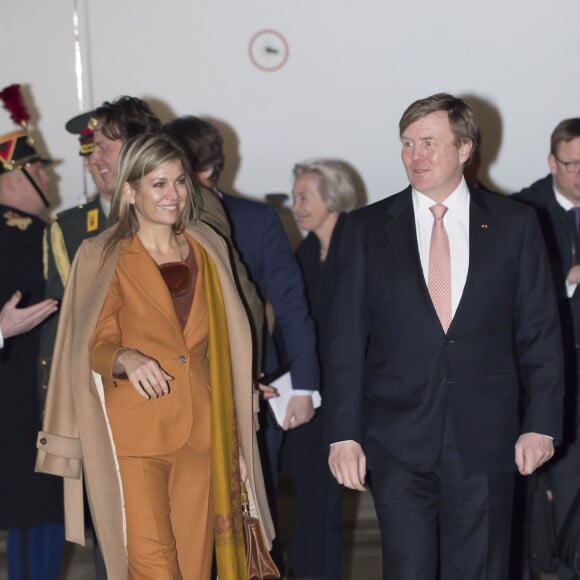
63, 237
30, 503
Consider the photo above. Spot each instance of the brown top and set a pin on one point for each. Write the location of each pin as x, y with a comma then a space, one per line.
180, 279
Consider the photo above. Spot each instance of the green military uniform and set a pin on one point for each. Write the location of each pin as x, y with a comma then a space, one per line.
62, 239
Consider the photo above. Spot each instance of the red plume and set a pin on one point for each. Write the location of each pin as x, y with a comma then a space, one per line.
14, 104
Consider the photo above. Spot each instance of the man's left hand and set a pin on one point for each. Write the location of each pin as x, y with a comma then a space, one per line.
300, 410
532, 451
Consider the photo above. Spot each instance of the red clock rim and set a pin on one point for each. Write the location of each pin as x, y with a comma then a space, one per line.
284, 42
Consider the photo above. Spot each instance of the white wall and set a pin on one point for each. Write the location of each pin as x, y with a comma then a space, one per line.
353, 68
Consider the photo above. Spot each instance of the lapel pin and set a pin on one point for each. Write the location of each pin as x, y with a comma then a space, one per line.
484, 226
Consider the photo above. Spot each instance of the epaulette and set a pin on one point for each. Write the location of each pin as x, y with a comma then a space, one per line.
88, 212
55, 240
74, 210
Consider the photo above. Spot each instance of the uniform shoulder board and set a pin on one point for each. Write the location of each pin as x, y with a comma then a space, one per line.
71, 211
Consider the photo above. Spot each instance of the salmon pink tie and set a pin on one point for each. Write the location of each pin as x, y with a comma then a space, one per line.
439, 277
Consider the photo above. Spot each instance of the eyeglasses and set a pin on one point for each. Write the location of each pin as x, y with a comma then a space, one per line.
569, 166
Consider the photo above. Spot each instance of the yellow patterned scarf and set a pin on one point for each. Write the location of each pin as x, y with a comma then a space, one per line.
229, 540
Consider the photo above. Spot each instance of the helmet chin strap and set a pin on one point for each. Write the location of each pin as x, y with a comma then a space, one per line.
38, 190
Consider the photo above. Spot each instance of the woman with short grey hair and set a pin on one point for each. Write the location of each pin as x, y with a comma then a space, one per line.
323, 192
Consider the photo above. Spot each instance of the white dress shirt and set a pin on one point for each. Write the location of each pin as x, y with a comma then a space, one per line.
456, 222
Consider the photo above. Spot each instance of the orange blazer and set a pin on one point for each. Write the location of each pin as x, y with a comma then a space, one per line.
138, 313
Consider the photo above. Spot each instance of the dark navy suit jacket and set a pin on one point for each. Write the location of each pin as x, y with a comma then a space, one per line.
264, 248
393, 377
563, 246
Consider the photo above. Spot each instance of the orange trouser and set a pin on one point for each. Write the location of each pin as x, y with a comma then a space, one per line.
169, 515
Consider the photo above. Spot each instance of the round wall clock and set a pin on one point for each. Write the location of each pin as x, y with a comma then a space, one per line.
268, 50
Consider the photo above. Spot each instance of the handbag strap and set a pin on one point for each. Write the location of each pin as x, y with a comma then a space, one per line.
245, 499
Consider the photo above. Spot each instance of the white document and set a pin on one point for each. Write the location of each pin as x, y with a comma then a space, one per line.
279, 404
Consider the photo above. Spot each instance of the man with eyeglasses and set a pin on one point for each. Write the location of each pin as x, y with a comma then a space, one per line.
556, 197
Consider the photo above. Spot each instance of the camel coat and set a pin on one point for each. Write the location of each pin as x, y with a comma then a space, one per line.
76, 439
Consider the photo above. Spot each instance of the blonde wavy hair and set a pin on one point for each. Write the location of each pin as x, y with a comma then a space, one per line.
139, 157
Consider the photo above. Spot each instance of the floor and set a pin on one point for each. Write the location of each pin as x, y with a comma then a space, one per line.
362, 557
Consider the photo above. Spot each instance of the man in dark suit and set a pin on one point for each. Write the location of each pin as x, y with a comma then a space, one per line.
445, 301
264, 248
556, 198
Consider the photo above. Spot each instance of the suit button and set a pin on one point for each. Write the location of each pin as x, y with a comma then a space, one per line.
43, 441
443, 382
449, 341
181, 359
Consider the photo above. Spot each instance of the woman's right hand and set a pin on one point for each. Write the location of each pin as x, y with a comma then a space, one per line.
144, 372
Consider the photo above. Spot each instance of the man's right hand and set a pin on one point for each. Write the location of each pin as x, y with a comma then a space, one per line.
348, 464
267, 392
14, 321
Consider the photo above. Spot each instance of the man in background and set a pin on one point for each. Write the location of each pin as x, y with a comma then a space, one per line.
264, 248
556, 197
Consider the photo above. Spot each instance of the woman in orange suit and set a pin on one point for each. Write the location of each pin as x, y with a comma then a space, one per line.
169, 352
